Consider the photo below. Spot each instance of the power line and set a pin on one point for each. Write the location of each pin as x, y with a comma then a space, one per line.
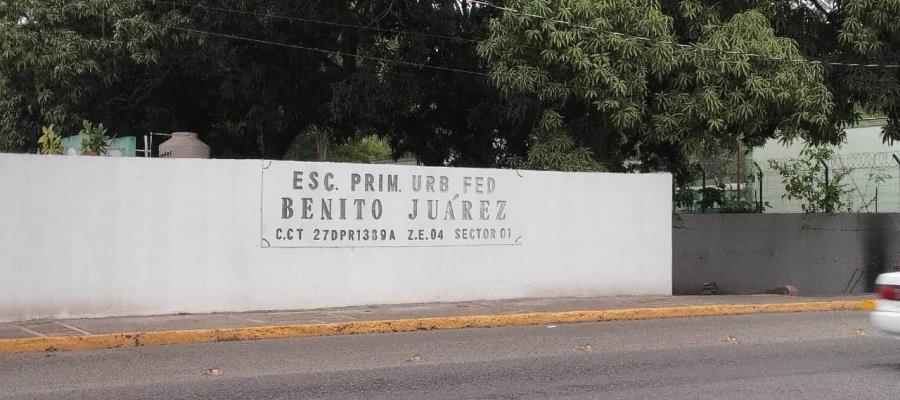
324, 51
318, 50
311, 21
683, 45
456, 38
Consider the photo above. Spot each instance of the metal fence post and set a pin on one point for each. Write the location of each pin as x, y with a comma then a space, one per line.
828, 208
760, 206
702, 189
876, 199
897, 159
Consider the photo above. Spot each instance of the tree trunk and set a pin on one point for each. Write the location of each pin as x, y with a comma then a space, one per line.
277, 143
740, 170
322, 139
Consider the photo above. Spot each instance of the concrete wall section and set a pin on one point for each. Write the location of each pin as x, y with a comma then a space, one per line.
749, 253
94, 236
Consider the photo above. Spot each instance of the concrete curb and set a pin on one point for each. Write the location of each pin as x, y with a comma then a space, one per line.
161, 338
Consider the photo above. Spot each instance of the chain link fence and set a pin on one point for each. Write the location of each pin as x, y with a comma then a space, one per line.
869, 182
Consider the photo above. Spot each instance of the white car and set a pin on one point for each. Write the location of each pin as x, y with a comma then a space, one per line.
886, 316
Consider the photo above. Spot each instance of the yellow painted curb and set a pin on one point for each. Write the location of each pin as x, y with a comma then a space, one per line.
160, 338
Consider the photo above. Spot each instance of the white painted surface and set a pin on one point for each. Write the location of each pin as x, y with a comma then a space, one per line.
94, 236
858, 140
340, 205
886, 316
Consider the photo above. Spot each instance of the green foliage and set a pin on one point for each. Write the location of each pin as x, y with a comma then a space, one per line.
877, 177
849, 31
874, 178
722, 200
117, 62
95, 139
625, 97
50, 142
735, 203
303, 148
868, 31
685, 198
555, 151
363, 149
804, 180
61, 60
711, 197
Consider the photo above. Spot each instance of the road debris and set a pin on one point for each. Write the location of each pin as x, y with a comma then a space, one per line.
585, 348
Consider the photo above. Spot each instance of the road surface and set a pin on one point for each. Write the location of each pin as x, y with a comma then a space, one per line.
790, 356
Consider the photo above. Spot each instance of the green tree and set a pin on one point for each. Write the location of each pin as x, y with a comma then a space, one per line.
611, 70
869, 33
62, 61
411, 71
804, 180
251, 75
117, 62
855, 32
445, 117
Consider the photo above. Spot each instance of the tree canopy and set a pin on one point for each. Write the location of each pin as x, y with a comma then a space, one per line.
612, 74
251, 75
546, 84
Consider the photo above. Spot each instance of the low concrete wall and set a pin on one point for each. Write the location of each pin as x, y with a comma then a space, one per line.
95, 236
749, 253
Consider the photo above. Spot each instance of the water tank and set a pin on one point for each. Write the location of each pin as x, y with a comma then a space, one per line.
184, 145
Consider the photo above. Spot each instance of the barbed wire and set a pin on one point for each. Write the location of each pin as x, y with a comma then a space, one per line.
870, 160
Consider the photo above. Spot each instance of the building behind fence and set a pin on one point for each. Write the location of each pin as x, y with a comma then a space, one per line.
871, 182
871, 179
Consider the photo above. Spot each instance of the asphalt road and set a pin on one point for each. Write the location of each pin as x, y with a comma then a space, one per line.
792, 356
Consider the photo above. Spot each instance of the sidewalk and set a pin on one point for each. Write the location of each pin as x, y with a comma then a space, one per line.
79, 334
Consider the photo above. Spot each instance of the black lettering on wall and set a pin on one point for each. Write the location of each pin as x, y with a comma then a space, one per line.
313, 180
287, 210
298, 180
306, 212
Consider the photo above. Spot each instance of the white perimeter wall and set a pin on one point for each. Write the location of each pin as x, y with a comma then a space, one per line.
94, 236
